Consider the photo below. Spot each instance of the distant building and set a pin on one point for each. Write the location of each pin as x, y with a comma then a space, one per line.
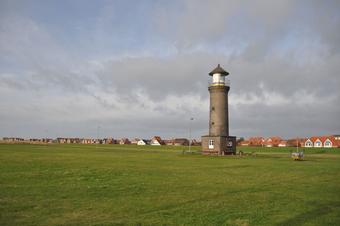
296, 142
135, 141
181, 142
168, 142
337, 138
283, 143
13, 139
156, 140
108, 140
87, 141
309, 143
244, 143
142, 142
62, 140
35, 140
47, 140
177, 142
195, 142
322, 141
272, 142
256, 141
124, 141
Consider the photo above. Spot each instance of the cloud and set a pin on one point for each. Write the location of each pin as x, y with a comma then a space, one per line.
144, 75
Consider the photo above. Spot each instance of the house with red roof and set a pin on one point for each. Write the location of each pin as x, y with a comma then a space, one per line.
244, 143
322, 141
283, 143
256, 141
272, 141
337, 140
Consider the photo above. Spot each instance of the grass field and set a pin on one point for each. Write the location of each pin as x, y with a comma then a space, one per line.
135, 185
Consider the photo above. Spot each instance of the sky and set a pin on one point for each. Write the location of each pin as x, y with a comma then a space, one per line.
83, 68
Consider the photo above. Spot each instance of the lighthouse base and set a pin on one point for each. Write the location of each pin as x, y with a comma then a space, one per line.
218, 145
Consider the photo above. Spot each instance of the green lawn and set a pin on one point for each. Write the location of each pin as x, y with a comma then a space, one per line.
135, 185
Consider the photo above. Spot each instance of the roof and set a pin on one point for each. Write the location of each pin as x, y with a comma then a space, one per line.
323, 139
180, 140
273, 140
158, 138
245, 142
219, 70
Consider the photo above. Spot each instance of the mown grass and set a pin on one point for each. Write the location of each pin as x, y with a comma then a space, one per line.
289, 150
134, 185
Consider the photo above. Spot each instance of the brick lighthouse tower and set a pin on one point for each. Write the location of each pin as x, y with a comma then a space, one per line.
218, 142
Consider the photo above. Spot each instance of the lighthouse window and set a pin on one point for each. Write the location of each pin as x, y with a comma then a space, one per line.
212, 108
212, 123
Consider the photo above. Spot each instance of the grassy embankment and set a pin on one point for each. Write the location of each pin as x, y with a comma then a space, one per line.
113, 184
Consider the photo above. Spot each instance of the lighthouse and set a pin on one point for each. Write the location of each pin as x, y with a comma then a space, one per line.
218, 142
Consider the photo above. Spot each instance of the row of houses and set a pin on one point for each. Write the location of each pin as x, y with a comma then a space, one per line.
156, 140
275, 141
315, 141
30, 140
323, 141
13, 139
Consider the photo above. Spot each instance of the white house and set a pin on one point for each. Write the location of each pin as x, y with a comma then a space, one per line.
308, 143
156, 140
328, 143
141, 142
317, 143
135, 141
322, 141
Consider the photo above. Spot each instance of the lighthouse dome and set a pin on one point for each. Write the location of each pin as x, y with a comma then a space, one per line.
219, 70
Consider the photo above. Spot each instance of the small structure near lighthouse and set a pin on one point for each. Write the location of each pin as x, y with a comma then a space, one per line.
218, 142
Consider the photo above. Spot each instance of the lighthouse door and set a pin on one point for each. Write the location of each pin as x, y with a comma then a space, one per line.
211, 144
